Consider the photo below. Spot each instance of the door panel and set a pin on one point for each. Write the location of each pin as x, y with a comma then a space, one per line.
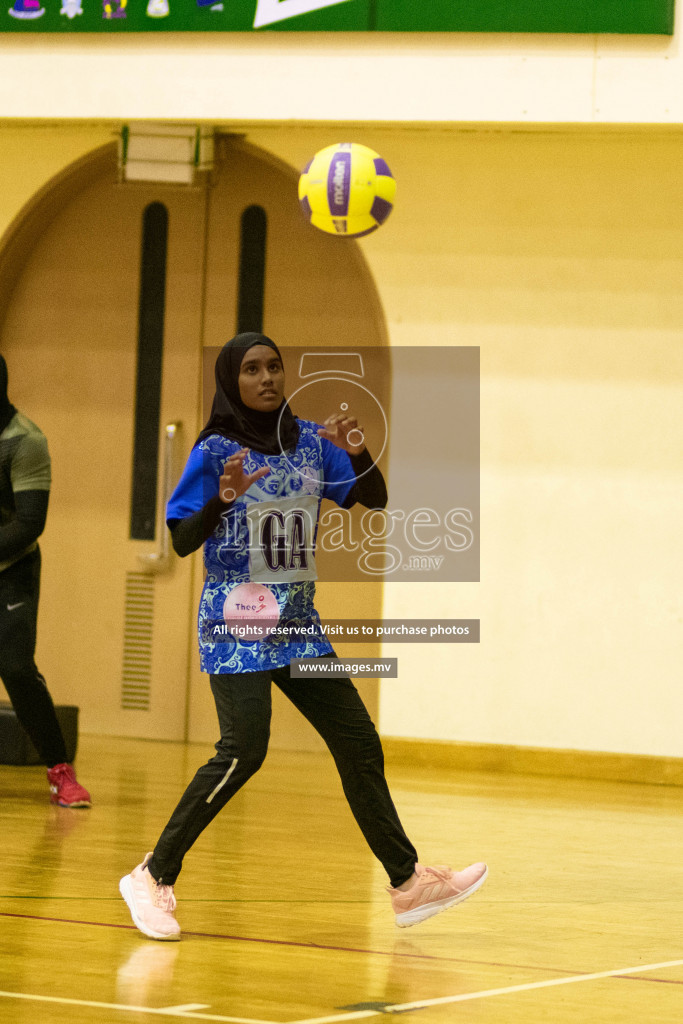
318, 294
70, 338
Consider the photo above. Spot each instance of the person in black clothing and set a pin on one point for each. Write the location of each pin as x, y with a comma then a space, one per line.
24, 494
251, 492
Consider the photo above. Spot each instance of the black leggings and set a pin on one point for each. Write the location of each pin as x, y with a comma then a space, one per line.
19, 592
334, 707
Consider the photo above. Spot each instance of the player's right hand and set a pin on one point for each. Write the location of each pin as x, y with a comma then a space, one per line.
234, 480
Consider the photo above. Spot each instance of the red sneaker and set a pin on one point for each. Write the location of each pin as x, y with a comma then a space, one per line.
64, 790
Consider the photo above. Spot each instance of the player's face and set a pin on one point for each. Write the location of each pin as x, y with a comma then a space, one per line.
262, 379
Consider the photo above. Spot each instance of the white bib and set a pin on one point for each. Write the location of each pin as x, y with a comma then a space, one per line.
281, 536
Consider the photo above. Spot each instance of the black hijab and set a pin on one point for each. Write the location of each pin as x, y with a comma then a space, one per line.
268, 432
7, 410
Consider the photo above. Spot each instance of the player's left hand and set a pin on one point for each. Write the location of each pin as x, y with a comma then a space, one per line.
343, 431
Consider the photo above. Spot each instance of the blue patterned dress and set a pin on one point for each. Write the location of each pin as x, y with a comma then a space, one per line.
267, 537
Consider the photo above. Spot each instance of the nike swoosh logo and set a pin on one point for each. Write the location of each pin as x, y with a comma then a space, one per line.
270, 11
11, 607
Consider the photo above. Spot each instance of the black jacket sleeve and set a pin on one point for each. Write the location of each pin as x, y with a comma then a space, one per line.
369, 489
26, 525
187, 535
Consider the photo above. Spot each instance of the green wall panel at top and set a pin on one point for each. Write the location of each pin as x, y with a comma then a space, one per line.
627, 16
65, 16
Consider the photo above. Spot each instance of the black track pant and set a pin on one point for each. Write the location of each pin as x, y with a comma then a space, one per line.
19, 591
334, 707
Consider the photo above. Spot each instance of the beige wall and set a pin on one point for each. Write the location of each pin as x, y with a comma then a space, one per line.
34, 154
560, 254
382, 77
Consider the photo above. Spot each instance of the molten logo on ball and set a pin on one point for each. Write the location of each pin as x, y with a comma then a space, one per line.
339, 198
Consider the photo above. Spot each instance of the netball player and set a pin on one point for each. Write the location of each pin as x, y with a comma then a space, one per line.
254, 464
24, 493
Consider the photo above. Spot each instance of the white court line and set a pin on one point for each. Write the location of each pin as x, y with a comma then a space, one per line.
170, 1011
185, 1007
443, 1000
173, 1011
355, 1015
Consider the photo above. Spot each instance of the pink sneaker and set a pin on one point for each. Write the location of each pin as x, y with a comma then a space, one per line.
64, 790
434, 890
151, 905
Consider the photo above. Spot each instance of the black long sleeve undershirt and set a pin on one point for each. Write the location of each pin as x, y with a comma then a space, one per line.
190, 533
26, 525
187, 535
369, 489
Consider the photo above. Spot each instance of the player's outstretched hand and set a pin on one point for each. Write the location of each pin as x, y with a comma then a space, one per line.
234, 480
343, 430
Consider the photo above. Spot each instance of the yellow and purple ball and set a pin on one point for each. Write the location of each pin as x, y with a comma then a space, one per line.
347, 190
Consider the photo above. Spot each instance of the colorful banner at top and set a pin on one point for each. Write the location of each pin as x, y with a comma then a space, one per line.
595, 16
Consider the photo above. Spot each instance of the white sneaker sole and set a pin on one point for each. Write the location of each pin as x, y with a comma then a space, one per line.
126, 890
411, 917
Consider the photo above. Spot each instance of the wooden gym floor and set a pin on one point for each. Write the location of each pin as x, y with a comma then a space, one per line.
283, 910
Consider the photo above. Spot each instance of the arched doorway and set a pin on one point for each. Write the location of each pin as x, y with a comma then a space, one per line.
116, 640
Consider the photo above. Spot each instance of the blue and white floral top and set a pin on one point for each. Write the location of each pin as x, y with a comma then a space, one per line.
266, 537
